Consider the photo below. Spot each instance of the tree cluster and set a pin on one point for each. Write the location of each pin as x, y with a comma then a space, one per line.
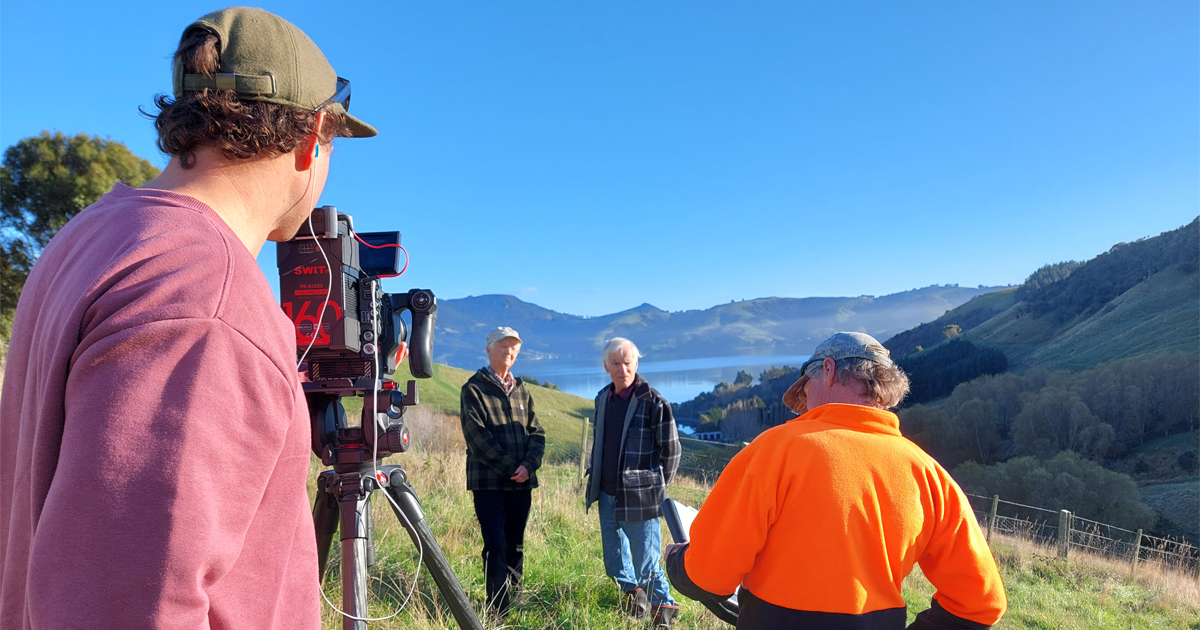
1047, 275
44, 181
1091, 286
1100, 414
935, 373
773, 382
1067, 480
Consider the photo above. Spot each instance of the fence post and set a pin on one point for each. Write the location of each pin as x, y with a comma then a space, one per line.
1137, 548
992, 517
582, 449
1064, 533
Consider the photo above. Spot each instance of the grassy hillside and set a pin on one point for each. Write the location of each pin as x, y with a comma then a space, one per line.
1160, 314
565, 586
1167, 482
976, 311
1137, 298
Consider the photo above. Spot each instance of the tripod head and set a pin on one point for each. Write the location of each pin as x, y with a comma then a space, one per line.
382, 431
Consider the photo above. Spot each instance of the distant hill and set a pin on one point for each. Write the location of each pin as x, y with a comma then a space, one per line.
1134, 299
762, 326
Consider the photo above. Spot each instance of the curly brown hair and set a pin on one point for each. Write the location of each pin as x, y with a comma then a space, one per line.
240, 129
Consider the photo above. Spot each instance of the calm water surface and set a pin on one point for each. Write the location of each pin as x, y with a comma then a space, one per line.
679, 380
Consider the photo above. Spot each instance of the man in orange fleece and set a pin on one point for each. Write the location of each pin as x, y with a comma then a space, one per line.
819, 520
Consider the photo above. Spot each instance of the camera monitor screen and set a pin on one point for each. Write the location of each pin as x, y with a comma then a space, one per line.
383, 261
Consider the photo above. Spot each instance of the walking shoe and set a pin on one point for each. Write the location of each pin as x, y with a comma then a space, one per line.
636, 604
664, 616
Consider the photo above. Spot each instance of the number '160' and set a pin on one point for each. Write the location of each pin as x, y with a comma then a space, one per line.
305, 317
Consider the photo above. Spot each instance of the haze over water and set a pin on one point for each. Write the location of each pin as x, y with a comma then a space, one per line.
677, 380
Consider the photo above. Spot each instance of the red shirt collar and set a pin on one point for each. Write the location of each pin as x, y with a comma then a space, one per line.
624, 393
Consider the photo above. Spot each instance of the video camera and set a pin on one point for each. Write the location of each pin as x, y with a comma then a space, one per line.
350, 332
353, 338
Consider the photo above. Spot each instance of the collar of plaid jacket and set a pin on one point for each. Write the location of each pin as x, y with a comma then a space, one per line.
640, 388
624, 393
506, 385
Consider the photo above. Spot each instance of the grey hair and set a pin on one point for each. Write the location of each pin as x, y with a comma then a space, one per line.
615, 344
886, 384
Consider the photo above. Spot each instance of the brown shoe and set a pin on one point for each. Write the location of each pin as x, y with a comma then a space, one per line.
636, 604
664, 616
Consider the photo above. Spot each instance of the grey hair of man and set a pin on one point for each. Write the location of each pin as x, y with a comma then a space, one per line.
886, 384
616, 344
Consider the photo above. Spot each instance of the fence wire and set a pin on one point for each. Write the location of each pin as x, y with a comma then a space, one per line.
1041, 525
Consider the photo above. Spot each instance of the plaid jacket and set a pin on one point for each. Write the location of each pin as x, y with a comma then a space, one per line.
650, 453
502, 432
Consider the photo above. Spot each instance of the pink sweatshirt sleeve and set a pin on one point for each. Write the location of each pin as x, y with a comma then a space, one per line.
173, 430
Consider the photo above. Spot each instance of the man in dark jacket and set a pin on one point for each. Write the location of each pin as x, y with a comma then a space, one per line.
635, 454
505, 443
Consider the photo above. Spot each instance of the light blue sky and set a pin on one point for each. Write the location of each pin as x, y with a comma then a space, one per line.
593, 156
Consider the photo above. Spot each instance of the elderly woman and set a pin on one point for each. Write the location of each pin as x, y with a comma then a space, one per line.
505, 442
819, 520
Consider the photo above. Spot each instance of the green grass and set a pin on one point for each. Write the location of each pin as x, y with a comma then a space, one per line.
565, 586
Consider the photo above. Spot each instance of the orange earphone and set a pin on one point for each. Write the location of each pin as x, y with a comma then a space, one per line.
310, 154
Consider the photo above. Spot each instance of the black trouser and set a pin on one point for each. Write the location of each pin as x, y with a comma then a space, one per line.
502, 516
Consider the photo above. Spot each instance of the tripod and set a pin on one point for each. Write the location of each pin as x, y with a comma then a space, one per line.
344, 496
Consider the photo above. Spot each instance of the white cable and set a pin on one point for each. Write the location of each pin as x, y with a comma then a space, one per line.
375, 472
312, 193
374, 402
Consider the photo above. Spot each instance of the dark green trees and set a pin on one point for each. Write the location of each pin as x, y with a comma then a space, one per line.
44, 181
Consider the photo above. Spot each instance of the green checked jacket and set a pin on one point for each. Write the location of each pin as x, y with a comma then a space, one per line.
502, 432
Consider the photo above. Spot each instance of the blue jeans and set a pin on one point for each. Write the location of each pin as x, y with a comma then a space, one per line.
632, 550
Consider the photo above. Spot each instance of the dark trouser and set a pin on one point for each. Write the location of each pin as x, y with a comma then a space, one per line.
502, 516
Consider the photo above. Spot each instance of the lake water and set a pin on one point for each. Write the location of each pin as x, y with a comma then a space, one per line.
679, 380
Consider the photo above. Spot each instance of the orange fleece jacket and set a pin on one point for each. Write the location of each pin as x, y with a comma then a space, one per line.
830, 511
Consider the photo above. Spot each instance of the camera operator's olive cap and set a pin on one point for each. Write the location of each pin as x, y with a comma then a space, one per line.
266, 58
843, 345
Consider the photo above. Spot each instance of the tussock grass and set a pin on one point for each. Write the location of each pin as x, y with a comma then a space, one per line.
1088, 591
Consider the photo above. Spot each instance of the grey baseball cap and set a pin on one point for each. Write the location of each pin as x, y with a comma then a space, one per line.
843, 345
266, 58
503, 332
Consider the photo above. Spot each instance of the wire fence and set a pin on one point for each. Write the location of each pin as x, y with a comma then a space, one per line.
1065, 531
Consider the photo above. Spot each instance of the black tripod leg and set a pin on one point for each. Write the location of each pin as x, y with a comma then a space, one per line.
412, 517
325, 521
354, 504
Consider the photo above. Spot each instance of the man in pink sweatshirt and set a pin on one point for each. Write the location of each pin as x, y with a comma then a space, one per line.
154, 439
